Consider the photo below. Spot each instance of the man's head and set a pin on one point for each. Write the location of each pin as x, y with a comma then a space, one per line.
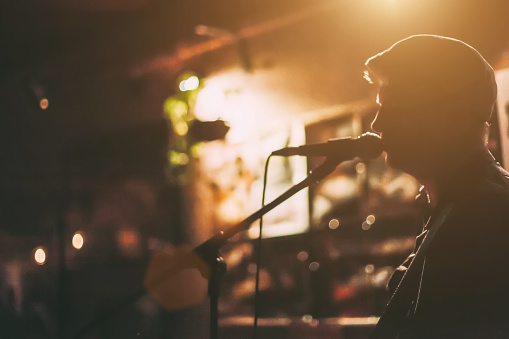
436, 95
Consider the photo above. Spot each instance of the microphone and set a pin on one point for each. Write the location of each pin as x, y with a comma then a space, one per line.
367, 146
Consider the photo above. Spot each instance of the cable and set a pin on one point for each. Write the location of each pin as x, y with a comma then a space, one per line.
259, 251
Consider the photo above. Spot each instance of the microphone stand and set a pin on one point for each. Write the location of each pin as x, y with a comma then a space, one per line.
209, 250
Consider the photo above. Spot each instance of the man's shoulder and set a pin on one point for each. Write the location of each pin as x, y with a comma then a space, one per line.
481, 213
488, 195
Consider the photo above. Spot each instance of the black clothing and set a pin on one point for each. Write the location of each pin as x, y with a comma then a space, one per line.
457, 281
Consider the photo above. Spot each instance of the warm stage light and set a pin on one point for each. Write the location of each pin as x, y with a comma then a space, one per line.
44, 103
251, 108
40, 256
210, 104
77, 241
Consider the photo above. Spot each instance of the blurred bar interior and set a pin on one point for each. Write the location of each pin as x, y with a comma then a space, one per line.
129, 128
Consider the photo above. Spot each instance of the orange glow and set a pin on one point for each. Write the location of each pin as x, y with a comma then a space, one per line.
128, 238
44, 103
78, 240
128, 241
40, 256
185, 53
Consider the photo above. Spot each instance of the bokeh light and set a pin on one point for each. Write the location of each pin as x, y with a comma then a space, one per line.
302, 256
314, 266
44, 103
333, 224
189, 84
366, 226
78, 240
370, 219
40, 256
369, 268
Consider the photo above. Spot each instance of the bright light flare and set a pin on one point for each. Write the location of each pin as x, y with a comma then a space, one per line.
210, 104
189, 84
78, 240
40, 256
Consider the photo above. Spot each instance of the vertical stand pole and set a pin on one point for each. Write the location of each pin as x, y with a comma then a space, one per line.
218, 270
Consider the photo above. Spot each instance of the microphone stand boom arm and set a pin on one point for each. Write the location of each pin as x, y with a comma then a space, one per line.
220, 239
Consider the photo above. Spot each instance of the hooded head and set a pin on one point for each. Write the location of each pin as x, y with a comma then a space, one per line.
436, 95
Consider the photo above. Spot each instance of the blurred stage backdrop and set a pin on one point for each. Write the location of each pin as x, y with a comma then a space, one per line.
130, 128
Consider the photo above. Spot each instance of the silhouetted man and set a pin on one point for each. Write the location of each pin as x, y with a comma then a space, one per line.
436, 96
